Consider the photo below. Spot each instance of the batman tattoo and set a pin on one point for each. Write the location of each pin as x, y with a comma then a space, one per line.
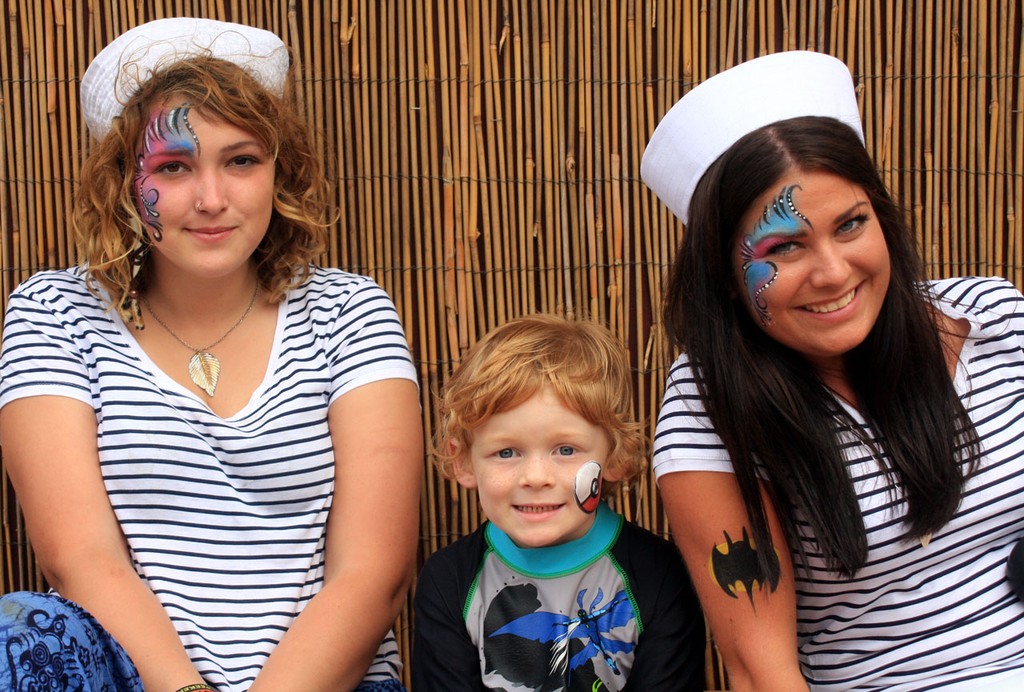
737, 567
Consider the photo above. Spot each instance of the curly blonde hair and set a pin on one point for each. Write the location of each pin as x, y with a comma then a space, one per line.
581, 361
107, 224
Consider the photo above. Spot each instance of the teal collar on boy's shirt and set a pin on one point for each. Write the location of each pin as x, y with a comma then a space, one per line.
557, 560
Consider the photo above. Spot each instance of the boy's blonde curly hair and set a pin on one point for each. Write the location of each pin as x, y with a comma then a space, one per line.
581, 361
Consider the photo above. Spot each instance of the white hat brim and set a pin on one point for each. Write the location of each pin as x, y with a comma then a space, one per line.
709, 119
127, 62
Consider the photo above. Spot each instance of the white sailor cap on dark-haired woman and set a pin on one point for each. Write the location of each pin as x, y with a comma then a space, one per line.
837, 448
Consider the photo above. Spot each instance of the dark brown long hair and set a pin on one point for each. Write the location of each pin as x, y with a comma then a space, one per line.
765, 400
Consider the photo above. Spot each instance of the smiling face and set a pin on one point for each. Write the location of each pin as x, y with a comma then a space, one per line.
813, 265
205, 191
526, 464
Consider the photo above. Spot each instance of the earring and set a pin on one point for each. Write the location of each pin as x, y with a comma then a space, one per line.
130, 309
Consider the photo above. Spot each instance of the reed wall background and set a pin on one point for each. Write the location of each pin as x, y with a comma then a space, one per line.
486, 157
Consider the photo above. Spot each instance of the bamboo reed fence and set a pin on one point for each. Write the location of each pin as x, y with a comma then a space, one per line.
486, 155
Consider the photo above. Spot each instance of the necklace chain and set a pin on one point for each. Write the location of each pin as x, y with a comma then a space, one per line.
252, 302
203, 366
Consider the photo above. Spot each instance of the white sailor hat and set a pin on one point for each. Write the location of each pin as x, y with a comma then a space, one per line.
118, 71
711, 117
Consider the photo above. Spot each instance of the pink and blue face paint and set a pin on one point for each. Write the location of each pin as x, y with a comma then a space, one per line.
588, 486
780, 221
168, 135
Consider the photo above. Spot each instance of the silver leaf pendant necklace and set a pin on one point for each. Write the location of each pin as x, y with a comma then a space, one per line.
203, 366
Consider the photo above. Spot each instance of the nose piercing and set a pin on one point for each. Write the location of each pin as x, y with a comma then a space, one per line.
199, 205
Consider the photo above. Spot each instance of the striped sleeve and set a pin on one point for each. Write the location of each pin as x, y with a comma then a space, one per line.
684, 439
48, 341
354, 324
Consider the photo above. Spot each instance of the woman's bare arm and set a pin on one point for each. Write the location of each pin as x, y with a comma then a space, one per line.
50, 451
372, 533
752, 620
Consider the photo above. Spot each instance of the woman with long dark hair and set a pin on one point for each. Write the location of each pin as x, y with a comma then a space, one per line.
836, 448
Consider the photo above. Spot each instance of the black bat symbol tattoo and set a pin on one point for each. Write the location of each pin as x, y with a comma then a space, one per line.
738, 564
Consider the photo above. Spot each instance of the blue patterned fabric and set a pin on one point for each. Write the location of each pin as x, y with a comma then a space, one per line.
382, 686
49, 643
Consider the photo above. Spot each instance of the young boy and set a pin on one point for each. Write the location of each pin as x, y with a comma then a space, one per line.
556, 591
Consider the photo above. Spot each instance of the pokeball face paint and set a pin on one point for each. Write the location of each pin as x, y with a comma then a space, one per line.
779, 222
588, 486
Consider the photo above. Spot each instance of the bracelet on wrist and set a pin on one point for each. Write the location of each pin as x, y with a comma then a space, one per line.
197, 687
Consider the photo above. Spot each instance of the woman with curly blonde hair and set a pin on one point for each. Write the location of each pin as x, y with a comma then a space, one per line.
203, 427
109, 226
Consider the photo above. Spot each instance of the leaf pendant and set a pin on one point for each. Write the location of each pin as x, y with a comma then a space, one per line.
204, 369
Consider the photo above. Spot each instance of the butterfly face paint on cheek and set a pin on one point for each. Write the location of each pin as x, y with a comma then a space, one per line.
588, 487
168, 134
779, 221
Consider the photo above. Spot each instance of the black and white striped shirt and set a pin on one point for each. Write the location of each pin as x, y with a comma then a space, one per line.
225, 518
913, 616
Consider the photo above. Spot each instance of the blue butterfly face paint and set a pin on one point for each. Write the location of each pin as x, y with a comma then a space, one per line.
588, 487
780, 221
168, 136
